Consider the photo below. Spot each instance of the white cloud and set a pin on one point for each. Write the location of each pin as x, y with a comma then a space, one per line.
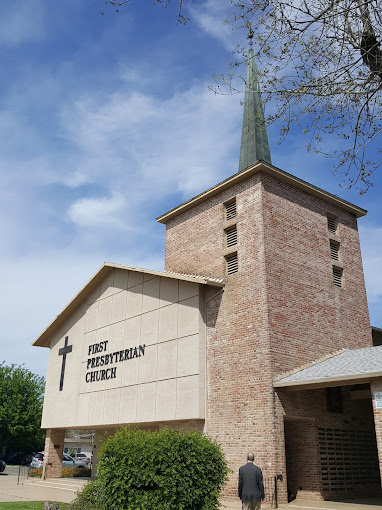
21, 21
101, 211
138, 141
210, 17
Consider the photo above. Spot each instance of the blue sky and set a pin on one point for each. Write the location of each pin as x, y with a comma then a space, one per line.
106, 123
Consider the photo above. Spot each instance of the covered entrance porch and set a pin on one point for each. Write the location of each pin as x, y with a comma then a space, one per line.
333, 427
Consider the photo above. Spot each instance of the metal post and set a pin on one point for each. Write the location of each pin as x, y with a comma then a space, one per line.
275, 492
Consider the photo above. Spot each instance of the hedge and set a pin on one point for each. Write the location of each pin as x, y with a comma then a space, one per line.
161, 470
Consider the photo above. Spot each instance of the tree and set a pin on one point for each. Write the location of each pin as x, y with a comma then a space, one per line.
21, 399
320, 63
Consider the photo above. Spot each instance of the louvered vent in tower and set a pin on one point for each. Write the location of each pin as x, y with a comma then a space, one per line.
337, 276
332, 225
231, 236
334, 250
230, 210
232, 264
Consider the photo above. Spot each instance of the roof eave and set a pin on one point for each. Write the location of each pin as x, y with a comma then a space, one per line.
324, 382
261, 166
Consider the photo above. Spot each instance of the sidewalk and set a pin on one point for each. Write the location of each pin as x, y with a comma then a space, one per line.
35, 489
65, 489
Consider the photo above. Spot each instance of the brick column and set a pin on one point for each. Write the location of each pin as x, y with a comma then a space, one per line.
376, 386
54, 447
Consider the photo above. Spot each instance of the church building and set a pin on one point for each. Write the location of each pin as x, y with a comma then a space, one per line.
257, 333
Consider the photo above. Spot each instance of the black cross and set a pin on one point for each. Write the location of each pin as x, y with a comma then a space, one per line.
63, 352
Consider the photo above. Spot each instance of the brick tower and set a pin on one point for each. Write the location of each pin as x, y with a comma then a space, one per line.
294, 293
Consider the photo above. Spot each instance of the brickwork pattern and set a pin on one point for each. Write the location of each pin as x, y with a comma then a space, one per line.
303, 462
54, 447
280, 310
309, 316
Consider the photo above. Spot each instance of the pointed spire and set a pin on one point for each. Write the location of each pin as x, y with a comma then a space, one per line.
254, 138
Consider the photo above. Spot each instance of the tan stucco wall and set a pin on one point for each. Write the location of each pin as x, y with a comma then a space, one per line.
166, 382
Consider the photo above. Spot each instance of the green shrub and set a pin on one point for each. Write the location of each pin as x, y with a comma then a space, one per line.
90, 498
159, 470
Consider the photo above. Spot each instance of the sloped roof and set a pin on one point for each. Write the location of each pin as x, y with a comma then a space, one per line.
267, 168
348, 367
44, 339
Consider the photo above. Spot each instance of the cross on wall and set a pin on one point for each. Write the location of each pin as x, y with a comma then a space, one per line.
63, 352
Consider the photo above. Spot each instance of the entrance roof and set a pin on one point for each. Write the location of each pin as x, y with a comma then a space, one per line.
348, 367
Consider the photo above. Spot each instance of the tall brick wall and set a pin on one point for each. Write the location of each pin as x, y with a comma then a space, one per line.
310, 317
240, 409
279, 311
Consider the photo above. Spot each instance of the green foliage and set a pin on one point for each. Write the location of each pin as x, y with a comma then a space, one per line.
90, 498
21, 399
161, 470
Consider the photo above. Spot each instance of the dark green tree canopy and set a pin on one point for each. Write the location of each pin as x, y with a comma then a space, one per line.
21, 399
320, 63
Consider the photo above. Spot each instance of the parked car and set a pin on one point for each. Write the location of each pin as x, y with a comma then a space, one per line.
28, 458
67, 462
2, 466
82, 456
10, 455
22, 458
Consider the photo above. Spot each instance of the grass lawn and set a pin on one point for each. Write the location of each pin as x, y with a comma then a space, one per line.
27, 505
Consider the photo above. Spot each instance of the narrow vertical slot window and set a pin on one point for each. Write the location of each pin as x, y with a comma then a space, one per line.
334, 250
232, 264
231, 236
337, 276
332, 225
230, 210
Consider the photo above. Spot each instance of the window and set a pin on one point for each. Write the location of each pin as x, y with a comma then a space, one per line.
230, 210
332, 224
334, 250
337, 276
232, 264
231, 236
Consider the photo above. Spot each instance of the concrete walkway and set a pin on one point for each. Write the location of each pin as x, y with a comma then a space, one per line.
35, 489
364, 504
65, 489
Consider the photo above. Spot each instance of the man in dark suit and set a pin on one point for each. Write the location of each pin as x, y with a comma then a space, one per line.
251, 487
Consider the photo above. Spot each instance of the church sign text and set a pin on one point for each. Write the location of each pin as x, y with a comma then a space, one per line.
105, 360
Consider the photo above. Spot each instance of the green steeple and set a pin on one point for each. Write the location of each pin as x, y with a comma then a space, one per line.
254, 138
